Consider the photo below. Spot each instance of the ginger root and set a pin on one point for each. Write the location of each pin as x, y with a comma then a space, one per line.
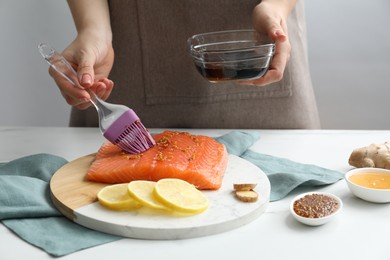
374, 155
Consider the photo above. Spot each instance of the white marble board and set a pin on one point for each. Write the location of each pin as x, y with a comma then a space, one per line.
225, 212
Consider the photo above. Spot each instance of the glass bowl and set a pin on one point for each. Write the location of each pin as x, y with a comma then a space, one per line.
231, 55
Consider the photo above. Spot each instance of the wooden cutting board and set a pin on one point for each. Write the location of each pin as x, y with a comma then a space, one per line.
75, 197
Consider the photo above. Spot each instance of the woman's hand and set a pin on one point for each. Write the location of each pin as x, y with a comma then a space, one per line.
93, 62
270, 18
91, 53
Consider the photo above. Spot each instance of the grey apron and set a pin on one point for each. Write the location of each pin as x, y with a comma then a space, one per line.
155, 76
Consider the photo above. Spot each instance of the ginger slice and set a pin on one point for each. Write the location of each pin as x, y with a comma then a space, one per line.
247, 195
244, 186
245, 192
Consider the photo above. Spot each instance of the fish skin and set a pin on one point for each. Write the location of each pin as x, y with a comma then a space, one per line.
197, 159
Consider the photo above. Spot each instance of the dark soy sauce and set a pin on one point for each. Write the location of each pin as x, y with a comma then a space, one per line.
223, 74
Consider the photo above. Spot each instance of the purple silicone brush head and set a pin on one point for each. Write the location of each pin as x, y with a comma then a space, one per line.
129, 133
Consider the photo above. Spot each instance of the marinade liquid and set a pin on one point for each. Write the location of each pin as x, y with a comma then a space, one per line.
215, 74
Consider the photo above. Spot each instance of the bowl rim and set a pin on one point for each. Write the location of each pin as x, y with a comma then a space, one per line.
271, 52
222, 32
363, 169
193, 49
340, 202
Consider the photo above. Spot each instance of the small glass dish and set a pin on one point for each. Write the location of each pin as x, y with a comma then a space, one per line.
325, 208
368, 192
231, 55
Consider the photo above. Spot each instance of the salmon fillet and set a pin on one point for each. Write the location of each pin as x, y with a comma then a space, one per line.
199, 160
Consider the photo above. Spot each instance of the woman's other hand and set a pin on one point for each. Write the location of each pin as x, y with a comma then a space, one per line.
270, 18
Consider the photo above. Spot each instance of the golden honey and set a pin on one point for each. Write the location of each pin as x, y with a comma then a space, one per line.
374, 180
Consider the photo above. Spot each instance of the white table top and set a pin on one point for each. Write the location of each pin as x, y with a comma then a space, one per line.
360, 231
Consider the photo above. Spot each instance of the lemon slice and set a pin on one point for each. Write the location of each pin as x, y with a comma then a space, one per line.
180, 195
142, 191
117, 197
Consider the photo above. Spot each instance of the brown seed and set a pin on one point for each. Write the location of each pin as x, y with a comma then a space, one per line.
315, 206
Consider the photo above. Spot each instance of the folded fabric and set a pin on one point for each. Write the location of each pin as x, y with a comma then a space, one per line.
284, 175
27, 210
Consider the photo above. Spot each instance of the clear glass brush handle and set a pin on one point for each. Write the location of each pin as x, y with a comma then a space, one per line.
107, 115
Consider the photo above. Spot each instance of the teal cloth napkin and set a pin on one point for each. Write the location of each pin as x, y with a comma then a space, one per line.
27, 210
284, 175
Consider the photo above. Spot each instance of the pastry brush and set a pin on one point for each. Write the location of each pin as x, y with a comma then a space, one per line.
118, 124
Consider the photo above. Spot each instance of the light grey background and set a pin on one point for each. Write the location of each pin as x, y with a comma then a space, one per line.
349, 56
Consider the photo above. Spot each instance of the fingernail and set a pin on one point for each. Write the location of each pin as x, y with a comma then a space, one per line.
86, 79
82, 101
280, 34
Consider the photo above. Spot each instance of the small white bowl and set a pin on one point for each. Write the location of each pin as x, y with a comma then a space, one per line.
316, 221
368, 194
